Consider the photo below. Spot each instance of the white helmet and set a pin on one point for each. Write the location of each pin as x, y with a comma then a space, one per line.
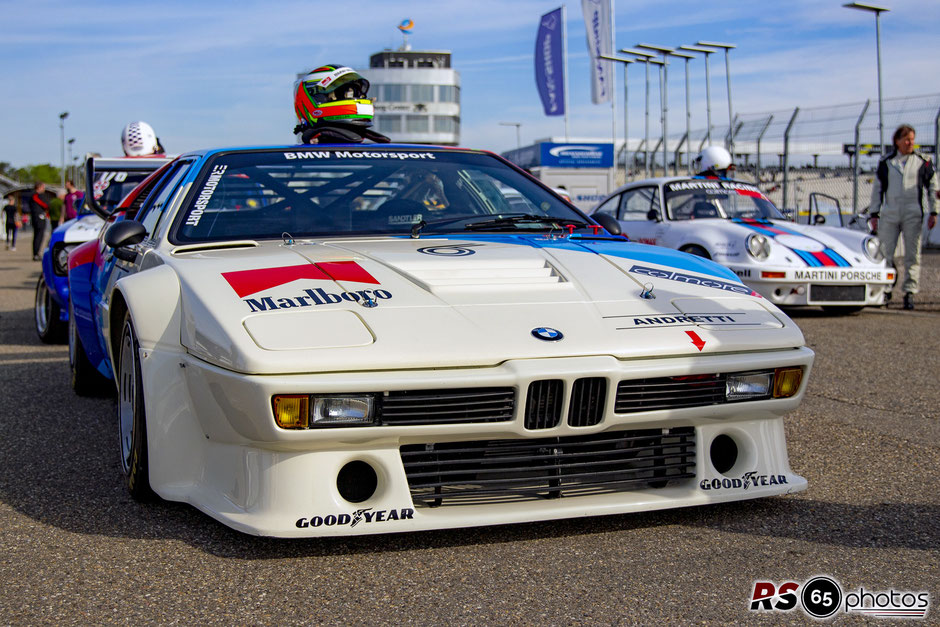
138, 139
713, 158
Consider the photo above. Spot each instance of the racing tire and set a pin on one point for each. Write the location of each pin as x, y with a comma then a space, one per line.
132, 419
49, 328
843, 310
85, 379
698, 251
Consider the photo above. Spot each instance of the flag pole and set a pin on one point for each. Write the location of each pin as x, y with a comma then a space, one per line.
564, 56
613, 82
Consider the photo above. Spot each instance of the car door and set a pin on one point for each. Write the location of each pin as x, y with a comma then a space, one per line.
114, 268
640, 214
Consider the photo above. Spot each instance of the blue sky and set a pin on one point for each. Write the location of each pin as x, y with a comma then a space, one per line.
212, 73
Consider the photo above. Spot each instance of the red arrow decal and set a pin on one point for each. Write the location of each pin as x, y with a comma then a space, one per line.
696, 340
246, 282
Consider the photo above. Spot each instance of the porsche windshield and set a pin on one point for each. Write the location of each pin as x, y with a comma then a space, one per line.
696, 199
110, 186
333, 191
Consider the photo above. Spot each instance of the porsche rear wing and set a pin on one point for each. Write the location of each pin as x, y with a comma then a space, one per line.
115, 164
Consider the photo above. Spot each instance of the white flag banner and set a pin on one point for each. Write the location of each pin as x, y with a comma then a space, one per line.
597, 24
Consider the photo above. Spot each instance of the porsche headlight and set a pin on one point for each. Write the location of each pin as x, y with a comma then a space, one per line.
758, 246
60, 258
872, 248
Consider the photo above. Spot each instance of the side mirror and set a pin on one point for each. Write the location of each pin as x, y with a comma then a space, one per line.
653, 214
123, 234
819, 219
609, 223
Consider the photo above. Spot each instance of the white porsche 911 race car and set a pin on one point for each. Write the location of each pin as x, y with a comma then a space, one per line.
343, 340
733, 223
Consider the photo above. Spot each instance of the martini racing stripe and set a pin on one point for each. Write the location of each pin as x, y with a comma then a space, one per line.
825, 257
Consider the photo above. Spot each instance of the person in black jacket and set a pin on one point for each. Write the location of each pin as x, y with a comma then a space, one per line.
38, 214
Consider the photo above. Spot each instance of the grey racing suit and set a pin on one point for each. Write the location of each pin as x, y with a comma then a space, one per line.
904, 190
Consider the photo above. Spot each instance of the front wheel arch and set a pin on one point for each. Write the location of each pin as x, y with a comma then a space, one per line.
695, 249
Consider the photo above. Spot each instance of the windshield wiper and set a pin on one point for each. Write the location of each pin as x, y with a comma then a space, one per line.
416, 229
524, 218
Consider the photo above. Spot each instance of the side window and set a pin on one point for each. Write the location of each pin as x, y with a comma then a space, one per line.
156, 202
610, 206
638, 202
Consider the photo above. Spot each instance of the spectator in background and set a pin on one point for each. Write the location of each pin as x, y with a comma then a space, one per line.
73, 199
38, 214
12, 222
905, 186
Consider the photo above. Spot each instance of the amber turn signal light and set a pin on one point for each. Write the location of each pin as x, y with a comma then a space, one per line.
787, 382
291, 411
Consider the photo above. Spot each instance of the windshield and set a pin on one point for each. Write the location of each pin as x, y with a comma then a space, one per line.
690, 200
336, 192
110, 187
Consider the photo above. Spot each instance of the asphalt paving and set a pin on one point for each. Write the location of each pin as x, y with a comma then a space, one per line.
75, 549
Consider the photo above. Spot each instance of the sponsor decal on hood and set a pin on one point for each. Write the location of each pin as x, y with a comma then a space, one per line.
247, 282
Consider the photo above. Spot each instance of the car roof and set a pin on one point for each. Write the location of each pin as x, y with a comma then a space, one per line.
373, 147
129, 164
662, 180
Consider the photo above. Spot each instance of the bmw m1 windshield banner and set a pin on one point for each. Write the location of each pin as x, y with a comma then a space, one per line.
549, 62
597, 23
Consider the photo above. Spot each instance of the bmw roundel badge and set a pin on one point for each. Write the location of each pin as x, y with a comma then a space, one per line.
548, 334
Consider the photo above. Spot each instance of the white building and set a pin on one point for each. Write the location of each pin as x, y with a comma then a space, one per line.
416, 96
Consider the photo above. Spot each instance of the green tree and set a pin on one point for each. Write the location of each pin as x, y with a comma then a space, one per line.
44, 172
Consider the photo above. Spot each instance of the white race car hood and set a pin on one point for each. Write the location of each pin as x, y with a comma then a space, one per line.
401, 303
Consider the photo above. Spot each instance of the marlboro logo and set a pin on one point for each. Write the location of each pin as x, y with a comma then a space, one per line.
247, 282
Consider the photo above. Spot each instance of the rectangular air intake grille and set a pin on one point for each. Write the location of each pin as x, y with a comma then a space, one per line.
432, 407
543, 404
501, 471
637, 395
587, 402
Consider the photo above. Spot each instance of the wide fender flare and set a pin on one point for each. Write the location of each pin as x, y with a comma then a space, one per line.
153, 299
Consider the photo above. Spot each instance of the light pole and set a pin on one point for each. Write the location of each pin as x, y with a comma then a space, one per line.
626, 103
62, 117
864, 6
70, 142
664, 98
518, 135
645, 57
688, 112
727, 48
708, 89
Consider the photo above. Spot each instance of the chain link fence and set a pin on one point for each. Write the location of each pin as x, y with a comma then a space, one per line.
793, 153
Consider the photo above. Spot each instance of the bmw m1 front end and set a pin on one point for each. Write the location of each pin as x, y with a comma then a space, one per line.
354, 340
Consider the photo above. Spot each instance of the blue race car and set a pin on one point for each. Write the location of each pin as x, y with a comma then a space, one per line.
113, 179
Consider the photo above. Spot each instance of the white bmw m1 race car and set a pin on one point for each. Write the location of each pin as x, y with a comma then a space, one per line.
733, 223
343, 340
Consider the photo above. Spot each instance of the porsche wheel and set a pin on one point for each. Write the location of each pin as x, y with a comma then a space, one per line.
86, 380
132, 421
49, 327
698, 251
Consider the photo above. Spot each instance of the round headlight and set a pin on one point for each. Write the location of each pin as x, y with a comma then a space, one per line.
758, 246
872, 248
61, 259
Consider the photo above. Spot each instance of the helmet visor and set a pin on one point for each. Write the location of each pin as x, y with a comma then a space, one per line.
349, 86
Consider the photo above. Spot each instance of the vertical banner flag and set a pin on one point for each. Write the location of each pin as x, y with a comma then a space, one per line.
597, 24
549, 64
